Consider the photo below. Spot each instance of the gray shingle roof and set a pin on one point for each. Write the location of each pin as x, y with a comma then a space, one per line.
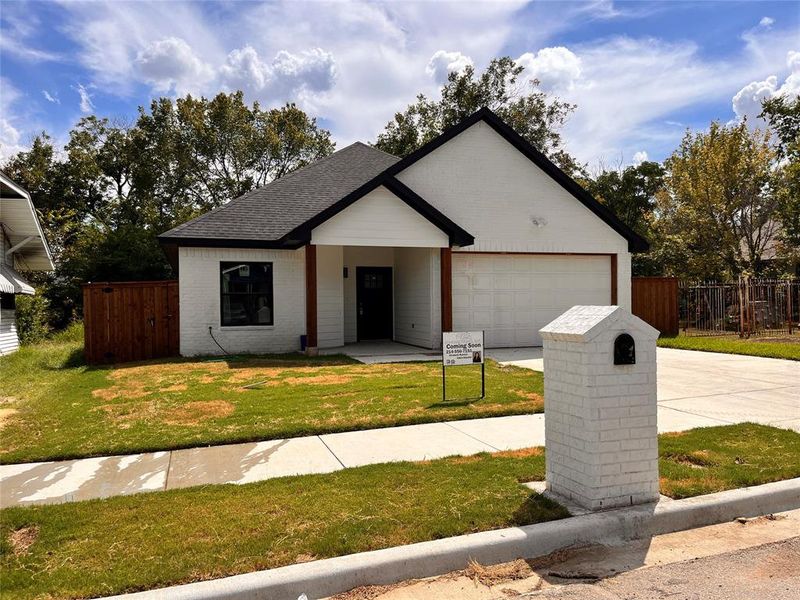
270, 212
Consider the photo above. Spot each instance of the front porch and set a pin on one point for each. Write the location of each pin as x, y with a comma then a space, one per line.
384, 351
377, 301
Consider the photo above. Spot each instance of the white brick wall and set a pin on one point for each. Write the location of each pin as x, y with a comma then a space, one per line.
600, 418
199, 289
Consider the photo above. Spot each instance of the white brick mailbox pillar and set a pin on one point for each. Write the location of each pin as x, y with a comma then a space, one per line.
601, 438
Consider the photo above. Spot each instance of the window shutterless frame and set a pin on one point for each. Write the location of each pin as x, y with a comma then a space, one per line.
247, 298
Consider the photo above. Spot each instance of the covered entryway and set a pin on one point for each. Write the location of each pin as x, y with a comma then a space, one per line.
512, 296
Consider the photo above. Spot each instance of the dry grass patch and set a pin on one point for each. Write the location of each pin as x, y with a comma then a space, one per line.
492, 575
522, 452
528, 395
195, 413
318, 380
22, 539
6, 414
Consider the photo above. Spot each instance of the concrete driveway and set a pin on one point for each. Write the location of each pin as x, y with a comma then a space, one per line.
698, 389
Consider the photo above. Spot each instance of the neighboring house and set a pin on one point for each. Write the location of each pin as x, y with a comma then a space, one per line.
24, 249
476, 230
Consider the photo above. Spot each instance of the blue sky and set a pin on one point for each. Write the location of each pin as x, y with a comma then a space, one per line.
639, 72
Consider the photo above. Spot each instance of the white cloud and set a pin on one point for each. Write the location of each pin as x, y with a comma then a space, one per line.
376, 57
19, 25
442, 63
9, 140
21, 50
639, 157
747, 101
556, 68
86, 104
372, 61
9, 133
50, 98
288, 75
170, 64
766, 22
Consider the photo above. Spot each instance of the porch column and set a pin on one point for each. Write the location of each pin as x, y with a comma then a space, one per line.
446, 270
311, 298
614, 279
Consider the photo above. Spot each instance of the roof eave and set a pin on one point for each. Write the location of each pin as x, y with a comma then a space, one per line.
204, 242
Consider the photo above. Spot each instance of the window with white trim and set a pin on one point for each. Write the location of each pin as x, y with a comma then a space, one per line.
246, 294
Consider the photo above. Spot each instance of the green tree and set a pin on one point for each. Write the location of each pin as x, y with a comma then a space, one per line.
718, 202
783, 115
532, 113
631, 194
230, 148
116, 186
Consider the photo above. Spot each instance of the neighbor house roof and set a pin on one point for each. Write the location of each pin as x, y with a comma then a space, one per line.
283, 213
21, 228
12, 282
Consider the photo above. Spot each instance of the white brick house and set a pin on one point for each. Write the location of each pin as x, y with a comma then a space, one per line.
475, 230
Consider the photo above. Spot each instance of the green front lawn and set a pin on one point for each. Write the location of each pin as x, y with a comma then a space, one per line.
788, 348
123, 544
151, 540
53, 406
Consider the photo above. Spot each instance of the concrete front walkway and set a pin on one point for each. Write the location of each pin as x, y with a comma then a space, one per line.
385, 351
695, 389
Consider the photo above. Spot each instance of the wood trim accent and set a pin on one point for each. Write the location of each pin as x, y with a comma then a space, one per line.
311, 296
446, 271
614, 284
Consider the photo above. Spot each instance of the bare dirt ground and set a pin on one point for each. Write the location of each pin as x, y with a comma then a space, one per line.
756, 558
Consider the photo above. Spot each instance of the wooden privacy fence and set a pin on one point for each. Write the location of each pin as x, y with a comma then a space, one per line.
655, 300
129, 321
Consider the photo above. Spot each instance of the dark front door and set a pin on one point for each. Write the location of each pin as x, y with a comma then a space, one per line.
374, 303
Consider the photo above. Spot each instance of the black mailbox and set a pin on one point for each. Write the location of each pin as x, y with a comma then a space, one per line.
624, 350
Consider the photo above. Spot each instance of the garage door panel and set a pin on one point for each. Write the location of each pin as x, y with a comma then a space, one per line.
482, 281
503, 299
511, 297
521, 281
460, 282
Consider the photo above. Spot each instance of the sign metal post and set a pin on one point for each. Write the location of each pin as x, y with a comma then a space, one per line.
462, 348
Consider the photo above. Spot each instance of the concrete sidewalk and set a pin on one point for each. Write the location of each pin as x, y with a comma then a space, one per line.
695, 389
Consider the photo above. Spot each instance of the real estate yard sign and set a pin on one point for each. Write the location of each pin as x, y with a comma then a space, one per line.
462, 348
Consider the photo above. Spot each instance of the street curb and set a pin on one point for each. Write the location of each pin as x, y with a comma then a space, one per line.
326, 577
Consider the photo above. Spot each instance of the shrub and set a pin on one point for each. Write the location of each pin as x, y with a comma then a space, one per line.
32, 318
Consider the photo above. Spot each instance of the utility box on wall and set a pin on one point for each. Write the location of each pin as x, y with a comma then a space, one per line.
601, 436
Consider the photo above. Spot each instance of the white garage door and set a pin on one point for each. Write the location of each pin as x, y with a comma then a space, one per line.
512, 296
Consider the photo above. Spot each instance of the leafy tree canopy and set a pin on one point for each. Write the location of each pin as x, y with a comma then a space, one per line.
532, 113
783, 115
719, 205
115, 186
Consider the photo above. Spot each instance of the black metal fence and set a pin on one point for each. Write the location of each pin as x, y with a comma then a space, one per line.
748, 307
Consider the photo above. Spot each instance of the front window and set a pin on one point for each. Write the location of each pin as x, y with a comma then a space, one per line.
246, 293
